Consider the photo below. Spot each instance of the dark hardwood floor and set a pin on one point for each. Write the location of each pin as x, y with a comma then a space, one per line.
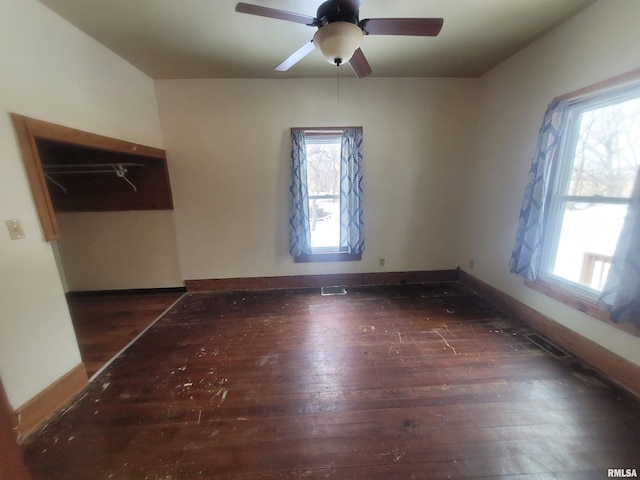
105, 323
406, 382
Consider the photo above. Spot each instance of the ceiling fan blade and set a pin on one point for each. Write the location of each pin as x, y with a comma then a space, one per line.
360, 65
273, 13
419, 27
296, 56
355, 4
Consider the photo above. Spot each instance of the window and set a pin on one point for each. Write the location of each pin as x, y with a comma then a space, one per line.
590, 190
325, 194
323, 181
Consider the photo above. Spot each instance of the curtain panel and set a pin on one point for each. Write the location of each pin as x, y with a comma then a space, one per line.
621, 293
351, 224
525, 258
299, 225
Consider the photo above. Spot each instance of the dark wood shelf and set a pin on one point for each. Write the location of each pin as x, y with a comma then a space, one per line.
86, 179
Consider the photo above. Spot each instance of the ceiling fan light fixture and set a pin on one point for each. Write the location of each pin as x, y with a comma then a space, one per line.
338, 41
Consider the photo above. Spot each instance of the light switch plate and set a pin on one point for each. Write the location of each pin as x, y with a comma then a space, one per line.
15, 229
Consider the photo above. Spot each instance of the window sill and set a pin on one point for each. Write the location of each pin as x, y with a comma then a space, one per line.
328, 257
580, 303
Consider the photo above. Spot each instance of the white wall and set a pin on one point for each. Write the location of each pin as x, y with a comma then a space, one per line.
119, 250
52, 72
229, 145
599, 43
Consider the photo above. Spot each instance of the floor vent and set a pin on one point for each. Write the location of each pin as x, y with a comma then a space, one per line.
547, 346
338, 290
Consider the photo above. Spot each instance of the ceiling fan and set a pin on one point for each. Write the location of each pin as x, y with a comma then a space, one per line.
340, 31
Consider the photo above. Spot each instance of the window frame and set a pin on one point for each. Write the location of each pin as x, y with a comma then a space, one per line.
326, 254
570, 293
558, 195
317, 139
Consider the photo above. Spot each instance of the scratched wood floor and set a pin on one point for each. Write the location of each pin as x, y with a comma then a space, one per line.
105, 323
405, 382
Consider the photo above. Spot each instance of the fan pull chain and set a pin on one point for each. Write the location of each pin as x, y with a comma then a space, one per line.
339, 69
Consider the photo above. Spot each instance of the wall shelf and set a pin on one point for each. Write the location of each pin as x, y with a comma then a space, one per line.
86, 179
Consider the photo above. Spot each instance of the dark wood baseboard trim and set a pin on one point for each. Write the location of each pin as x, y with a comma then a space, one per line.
317, 281
131, 291
619, 370
31, 414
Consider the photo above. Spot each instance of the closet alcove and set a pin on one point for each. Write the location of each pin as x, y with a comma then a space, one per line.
86, 179
71, 170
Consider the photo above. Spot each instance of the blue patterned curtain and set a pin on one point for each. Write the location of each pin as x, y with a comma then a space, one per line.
525, 258
621, 294
351, 229
299, 226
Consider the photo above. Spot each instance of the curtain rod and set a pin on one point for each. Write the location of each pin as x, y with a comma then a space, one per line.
619, 81
323, 129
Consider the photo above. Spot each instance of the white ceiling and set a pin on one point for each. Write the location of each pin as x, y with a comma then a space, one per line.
208, 39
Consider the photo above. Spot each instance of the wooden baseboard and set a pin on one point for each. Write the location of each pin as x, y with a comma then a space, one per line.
31, 414
130, 291
317, 281
619, 370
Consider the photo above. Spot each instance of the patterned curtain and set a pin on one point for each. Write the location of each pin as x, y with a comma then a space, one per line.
621, 294
351, 229
525, 258
299, 226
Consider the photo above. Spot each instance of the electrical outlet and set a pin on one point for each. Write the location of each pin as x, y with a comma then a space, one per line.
471, 263
15, 229
381, 262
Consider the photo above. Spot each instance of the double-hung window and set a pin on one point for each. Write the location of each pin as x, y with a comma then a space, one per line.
578, 237
323, 183
325, 194
590, 189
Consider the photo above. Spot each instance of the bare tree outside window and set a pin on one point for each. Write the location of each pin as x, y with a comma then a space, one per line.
607, 151
323, 168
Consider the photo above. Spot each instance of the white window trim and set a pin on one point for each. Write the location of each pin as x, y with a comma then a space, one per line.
320, 137
553, 222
